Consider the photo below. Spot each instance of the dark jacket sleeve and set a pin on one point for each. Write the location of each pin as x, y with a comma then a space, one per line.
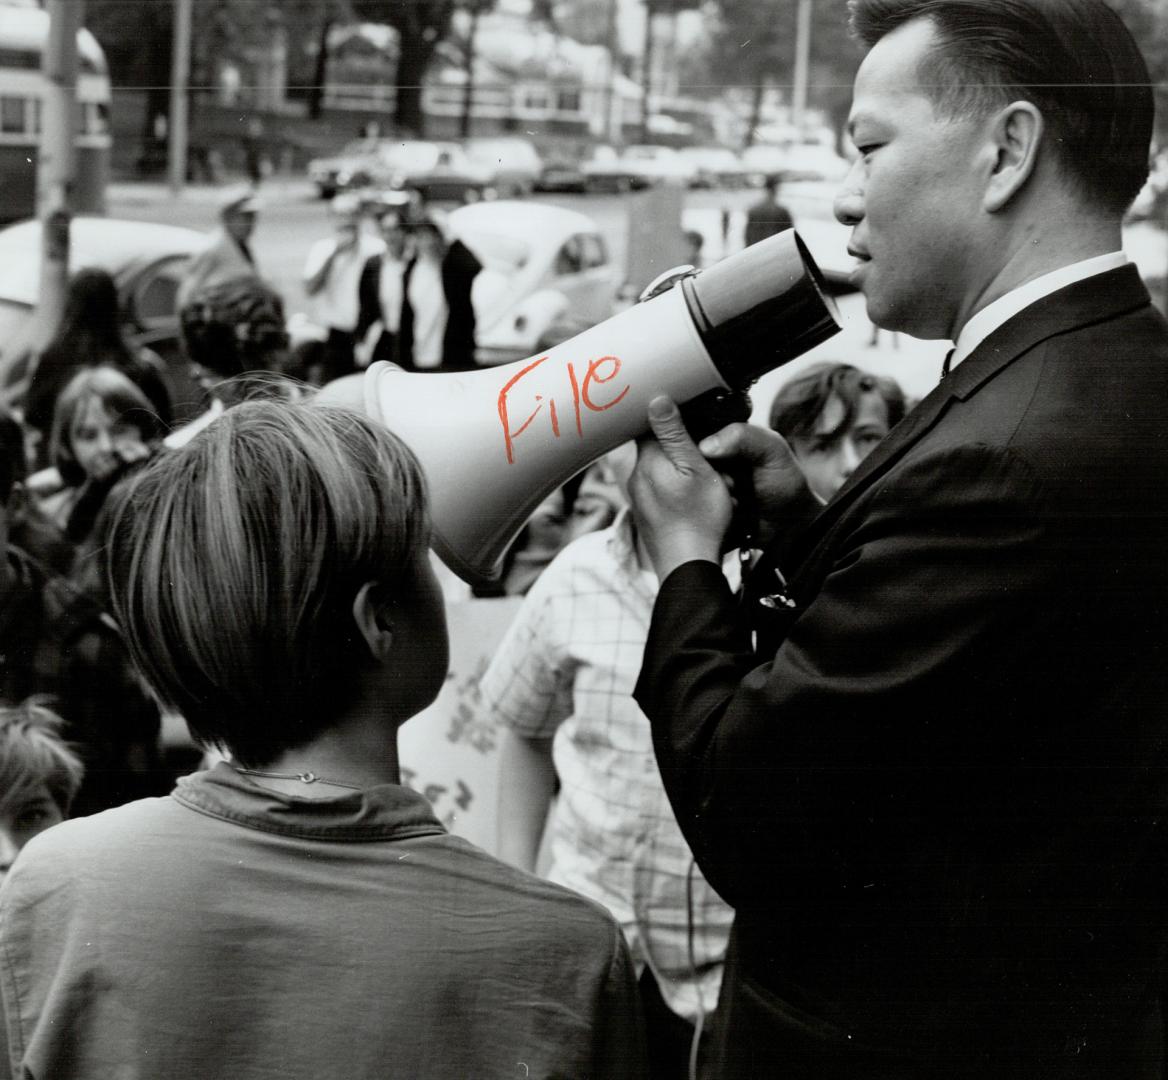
459, 269
368, 300
804, 757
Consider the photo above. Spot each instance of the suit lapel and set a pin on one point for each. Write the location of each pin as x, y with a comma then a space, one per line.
1092, 300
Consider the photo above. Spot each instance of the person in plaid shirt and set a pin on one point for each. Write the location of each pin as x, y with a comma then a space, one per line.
561, 682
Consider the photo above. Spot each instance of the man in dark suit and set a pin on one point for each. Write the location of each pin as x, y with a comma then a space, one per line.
767, 216
936, 790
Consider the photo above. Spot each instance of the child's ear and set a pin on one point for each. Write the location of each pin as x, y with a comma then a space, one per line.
371, 614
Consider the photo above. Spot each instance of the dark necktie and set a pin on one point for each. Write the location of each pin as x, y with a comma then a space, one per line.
946, 362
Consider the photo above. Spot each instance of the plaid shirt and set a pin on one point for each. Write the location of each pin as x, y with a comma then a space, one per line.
566, 670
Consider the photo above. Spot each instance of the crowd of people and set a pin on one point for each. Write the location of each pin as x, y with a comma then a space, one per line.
882, 799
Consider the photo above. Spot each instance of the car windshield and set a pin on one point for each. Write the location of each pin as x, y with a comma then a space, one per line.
416, 157
498, 251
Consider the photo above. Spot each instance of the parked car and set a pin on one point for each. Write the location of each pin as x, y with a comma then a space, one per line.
333, 174
441, 171
606, 170
512, 164
561, 172
658, 164
146, 260
713, 167
542, 266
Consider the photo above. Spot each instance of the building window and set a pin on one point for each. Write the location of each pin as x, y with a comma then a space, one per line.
568, 99
12, 115
536, 97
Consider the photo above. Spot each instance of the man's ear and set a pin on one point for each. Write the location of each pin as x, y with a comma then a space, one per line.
1015, 135
371, 614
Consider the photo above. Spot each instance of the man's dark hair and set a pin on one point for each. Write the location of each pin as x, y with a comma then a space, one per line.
799, 403
1073, 59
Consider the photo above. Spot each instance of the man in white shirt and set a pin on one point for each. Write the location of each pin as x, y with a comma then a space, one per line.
331, 276
934, 791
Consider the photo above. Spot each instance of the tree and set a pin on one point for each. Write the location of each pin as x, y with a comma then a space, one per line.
420, 26
755, 39
311, 23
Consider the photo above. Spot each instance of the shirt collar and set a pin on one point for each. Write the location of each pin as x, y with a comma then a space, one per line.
386, 812
986, 321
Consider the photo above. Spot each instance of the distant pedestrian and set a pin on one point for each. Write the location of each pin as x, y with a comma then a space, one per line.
228, 254
381, 292
767, 216
332, 274
438, 318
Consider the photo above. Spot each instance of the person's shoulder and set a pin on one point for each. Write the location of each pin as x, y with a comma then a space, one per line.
120, 842
549, 915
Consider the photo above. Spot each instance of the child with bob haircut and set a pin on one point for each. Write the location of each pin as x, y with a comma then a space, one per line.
295, 909
39, 774
103, 425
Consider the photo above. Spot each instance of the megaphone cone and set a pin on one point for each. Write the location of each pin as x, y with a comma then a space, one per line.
495, 442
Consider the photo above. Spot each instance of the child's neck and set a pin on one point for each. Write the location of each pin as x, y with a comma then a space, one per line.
358, 753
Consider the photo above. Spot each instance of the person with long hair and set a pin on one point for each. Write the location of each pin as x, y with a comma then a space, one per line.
90, 335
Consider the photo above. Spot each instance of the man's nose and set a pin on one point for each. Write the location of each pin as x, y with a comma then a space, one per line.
849, 200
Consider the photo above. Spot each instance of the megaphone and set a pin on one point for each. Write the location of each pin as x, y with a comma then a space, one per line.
495, 442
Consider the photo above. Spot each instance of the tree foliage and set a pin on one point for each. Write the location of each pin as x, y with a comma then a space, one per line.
421, 25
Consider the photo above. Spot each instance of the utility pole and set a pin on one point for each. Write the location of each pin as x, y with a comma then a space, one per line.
802, 64
180, 68
56, 163
646, 70
612, 107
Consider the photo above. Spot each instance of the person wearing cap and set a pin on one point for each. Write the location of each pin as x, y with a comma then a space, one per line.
332, 274
228, 255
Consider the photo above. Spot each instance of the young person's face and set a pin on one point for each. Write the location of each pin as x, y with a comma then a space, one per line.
102, 442
22, 818
828, 460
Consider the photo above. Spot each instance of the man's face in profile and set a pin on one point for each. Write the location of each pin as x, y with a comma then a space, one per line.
913, 195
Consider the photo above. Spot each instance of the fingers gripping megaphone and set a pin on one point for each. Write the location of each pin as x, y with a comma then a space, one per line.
495, 442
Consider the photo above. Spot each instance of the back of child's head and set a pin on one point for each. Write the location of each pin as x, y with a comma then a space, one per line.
799, 402
118, 395
235, 326
34, 755
13, 463
233, 563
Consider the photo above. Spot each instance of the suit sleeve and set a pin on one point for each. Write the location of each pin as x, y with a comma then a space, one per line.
842, 730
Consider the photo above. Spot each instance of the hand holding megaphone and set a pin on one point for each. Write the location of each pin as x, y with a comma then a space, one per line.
496, 441
693, 500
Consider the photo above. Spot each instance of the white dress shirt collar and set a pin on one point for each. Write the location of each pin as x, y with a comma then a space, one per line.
986, 321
